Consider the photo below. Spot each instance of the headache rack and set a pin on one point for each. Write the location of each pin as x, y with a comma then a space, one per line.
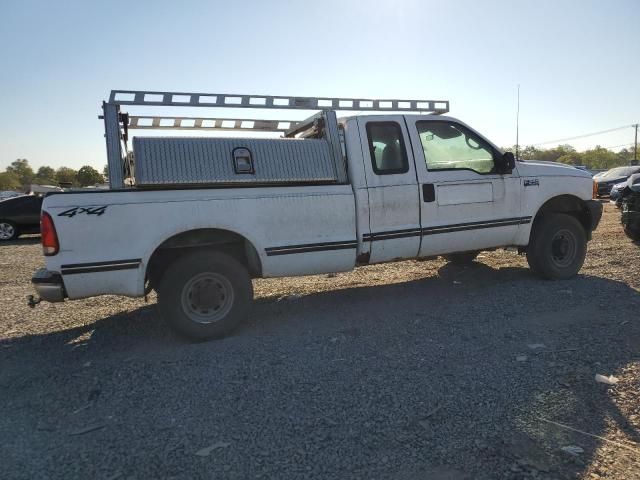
309, 151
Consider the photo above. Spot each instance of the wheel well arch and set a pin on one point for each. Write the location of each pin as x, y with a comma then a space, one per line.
227, 241
567, 204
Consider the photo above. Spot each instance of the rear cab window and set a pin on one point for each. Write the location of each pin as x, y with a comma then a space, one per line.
387, 148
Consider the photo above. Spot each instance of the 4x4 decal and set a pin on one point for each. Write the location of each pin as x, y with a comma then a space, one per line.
72, 212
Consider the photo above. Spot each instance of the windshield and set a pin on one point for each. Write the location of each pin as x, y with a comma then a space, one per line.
620, 172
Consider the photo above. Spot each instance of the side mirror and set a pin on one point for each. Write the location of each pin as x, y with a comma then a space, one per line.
506, 163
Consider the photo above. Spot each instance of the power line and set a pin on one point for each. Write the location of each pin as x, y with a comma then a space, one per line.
617, 146
584, 135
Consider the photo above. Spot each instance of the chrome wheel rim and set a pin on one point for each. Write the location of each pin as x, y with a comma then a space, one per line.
6, 231
207, 298
563, 248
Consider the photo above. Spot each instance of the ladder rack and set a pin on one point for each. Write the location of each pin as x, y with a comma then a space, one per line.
142, 122
117, 123
225, 100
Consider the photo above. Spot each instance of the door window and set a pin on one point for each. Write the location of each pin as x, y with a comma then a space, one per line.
449, 146
388, 153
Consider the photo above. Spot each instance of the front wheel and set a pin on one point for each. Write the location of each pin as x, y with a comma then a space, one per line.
8, 231
557, 247
205, 295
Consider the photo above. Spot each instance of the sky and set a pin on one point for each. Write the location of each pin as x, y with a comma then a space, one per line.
577, 63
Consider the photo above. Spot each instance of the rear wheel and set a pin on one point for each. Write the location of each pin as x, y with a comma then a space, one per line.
8, 231
558, 247
462, 258
205, 295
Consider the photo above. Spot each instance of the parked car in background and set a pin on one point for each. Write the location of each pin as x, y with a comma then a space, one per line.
9, 194
630, 200
615, 196
19, 215
42, 189
606, 181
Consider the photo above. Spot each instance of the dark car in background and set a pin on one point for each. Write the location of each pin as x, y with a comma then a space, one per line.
615, 196
605, 181
630, 203
19, 215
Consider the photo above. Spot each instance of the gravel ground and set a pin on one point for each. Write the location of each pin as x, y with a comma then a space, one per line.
413, 370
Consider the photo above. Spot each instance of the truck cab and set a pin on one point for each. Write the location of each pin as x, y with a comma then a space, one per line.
425, 182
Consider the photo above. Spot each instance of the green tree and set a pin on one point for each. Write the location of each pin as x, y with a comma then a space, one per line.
600, 158
46, 172
21, 169
572, 158
66, 175
553, 154
625, 156
9, 181
45, 176
88, 175
527, 153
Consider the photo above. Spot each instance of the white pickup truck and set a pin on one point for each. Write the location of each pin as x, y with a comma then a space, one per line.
196, 218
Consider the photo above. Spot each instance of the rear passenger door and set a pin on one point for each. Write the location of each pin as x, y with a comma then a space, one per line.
394, 199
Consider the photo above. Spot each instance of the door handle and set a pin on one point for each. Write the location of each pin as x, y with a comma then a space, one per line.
428, 192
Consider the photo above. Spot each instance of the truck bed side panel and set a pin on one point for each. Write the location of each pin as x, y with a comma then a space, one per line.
107, 238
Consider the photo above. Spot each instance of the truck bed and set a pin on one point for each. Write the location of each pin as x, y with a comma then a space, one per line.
293, 231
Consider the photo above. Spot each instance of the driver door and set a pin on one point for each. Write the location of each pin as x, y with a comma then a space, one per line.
466, 203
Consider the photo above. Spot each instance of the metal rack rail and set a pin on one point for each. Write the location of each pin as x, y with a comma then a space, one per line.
118, 123
142, 122
282, 102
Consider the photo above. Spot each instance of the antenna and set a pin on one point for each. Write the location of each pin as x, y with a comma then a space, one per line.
518, 126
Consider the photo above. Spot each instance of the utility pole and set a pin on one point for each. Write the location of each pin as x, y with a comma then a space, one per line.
635, 147
518, 127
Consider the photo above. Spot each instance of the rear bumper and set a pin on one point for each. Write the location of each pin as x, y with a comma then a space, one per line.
595, 213
48, 285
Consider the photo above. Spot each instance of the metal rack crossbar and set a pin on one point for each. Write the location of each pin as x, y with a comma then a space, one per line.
142, 122
225, 100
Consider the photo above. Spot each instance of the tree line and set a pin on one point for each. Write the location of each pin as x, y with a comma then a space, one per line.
19, 175
597, 158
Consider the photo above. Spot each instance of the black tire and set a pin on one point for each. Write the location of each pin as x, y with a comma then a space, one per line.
462, 258
8, 231
630, 219
557, 247
205, 295
632, 233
